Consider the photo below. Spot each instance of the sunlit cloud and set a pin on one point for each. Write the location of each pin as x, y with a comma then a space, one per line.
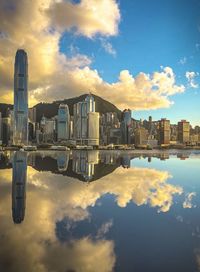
38, 28
89, 17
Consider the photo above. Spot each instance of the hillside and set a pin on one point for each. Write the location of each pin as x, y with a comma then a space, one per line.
51, 109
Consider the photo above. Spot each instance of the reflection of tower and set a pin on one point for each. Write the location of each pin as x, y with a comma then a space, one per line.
62, 161
19, 186
84, 163
20, 132
126, 161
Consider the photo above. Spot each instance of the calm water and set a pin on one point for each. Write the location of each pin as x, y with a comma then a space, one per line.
99, 212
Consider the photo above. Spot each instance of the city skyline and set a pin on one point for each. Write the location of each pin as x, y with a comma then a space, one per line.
142, 57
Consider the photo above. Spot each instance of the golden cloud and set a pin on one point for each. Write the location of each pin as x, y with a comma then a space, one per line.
38, 27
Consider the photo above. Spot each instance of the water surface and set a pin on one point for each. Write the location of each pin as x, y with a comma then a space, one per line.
97, 211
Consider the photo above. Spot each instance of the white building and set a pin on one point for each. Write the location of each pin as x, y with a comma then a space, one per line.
93, 128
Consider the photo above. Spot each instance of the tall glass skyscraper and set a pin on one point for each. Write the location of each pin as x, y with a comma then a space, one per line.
63, 122
20, 131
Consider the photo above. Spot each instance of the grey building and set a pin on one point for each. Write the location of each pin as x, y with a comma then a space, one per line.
63, 124
20, 131
126, 126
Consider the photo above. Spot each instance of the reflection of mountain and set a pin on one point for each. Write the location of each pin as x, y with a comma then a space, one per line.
19, 186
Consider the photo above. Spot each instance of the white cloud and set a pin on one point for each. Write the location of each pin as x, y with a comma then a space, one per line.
108, 47
187, 204
53, 75
191, 76
183, 61
89, 17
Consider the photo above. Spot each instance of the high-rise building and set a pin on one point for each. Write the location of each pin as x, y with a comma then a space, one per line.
6, 130
93, 128
164, 131
141, 136
126, 126
63, 124
20, 131
86, 124
48, 129
19, 176
183, 131
91, 106
32, 114
0, 129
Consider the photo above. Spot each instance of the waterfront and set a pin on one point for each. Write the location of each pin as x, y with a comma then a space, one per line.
100, 211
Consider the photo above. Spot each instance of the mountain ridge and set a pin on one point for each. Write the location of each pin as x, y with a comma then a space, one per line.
50, 110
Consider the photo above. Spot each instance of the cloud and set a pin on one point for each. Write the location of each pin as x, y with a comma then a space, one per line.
190, 76
187, 204
88, 18
183, 61
54, 75
108, 47
33, 245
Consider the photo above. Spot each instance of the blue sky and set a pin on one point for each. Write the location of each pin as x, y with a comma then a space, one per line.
113, 48
151, 34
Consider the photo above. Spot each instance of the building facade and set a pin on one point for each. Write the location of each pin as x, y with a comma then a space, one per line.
183, 131
20, 131
164, 131
63, 124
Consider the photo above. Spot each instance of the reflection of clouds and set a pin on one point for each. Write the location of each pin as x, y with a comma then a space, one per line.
187, 204
139, 185
33, 246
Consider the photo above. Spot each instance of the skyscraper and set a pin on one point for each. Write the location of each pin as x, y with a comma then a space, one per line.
126, 126
183, 131
20, 131
93, 128
63, 123
164, 131
81, 123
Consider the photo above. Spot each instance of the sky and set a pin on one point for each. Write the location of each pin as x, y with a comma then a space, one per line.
137, 54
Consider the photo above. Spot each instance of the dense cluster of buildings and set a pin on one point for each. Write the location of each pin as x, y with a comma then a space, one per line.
19, 126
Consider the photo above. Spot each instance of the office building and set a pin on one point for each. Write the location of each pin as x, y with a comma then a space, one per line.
32, 115
93, 128
63, 123
126, 127
183, 131
141, 136
20, 131
164, 131
1, 128
86, 122
6, 130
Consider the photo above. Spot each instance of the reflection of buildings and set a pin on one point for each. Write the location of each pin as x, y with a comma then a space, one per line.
84, 163
62, 161
19, 186
126, 161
